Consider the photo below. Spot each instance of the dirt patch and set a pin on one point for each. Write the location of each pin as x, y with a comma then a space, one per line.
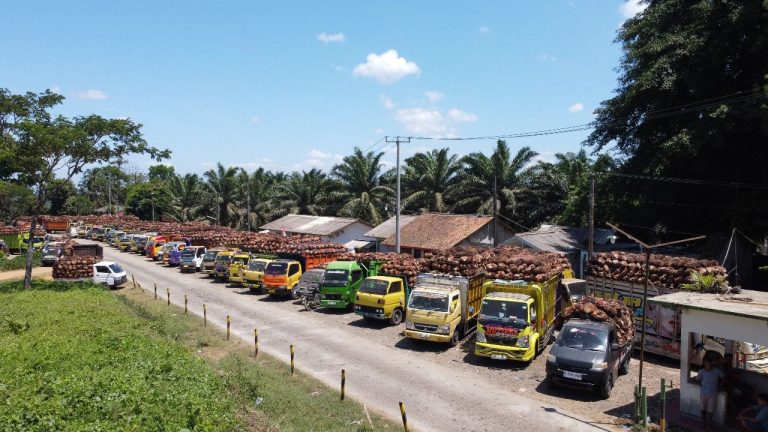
37, 273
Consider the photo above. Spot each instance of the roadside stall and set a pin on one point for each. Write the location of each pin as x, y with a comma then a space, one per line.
731, 331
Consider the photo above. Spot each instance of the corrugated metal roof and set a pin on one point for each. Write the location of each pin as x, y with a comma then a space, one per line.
387, 228
305, 224
552, 238
433, 231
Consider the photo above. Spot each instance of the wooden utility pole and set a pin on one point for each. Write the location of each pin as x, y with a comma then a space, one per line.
591, 248
397, 142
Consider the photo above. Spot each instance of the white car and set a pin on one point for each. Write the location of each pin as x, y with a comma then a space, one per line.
109, 273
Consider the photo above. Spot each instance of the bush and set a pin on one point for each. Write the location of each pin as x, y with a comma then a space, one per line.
19, 262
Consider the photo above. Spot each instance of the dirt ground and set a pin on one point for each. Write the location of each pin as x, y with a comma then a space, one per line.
37, 273
527, 380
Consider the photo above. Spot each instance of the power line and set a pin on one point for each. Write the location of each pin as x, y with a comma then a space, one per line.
688, 181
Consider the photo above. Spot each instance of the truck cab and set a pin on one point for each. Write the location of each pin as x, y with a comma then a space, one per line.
237, 267
587, 355
114, 237
109, 273
97, 233
209, 260
124, 242
192, 259
174, 253
253, 275
443, 308
281, 276
221, 264
309, 282
382, 298
342, 280
154, 246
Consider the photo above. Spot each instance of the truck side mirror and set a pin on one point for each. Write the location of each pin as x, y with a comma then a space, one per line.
615, 347
471, 310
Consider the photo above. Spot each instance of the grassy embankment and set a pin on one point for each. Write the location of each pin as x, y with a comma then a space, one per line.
18, 262
75, 356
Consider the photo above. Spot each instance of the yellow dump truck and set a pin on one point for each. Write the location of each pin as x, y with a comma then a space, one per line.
517, 318
443, 308
237, 268
382, 297
253, 275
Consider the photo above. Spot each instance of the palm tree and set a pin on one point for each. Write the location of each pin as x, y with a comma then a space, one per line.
304, 193
222, 189
186, 197
362, 191
257, 191
430, 180
476, 182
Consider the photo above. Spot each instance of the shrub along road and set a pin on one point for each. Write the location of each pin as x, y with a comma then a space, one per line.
436, 397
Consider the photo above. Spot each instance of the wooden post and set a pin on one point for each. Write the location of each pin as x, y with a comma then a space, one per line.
185, 304
255, 343
205, 315
155, 291
133, 278
663, 419
229, 320
292, 355
343, 382
405, 419
168, 290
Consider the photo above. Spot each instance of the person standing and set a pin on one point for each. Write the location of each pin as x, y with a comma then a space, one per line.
758, 423
710, 378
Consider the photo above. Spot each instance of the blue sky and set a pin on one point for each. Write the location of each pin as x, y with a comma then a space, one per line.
293, 85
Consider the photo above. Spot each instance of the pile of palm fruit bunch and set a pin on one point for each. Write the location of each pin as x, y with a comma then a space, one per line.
612, 311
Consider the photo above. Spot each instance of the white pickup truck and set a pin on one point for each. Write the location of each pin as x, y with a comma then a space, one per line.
109, 273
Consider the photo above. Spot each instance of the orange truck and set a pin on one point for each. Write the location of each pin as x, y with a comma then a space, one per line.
282, 275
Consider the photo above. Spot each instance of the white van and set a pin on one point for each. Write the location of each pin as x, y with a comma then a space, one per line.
109, 273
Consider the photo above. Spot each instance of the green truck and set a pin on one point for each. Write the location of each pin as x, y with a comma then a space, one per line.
342, 280
17, 243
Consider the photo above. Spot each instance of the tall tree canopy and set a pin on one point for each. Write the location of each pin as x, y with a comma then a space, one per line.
692, 103
430, 179
362, 192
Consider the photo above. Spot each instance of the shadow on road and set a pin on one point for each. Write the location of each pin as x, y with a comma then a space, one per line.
422, 346
372, 324
486, 362
552, 410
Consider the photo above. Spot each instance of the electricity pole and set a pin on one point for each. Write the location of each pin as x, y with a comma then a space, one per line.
591, 248
248, 200
397, 142
648, 249
495, 215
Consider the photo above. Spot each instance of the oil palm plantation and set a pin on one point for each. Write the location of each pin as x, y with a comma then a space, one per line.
255, 198
430, 180
186, 192
363, 194
222, 191
500, 177
304, 193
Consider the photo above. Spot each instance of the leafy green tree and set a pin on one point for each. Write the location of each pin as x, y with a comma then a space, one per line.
161, 172
187, 194
429, 180
362, 191
149, 201
304, 193
692, 103
15, 200
60, 191
78, 205
44, 145
476, 182
105, 185
257, 191
222, 187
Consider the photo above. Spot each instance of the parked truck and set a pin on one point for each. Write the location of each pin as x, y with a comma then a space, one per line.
341, 281
209, 260
443, 308
282, 275
587, 354
192, 259
517, 318
237, 268
253, 274
383, 297
221, 264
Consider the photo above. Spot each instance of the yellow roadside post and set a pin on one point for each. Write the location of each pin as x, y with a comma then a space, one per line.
405, 419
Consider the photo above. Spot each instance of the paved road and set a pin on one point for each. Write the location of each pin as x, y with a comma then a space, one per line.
436, 398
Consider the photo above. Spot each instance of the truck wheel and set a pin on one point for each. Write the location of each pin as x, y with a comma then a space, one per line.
550, 382
624, 368
396, 318
455, 338
606, 388
295, 293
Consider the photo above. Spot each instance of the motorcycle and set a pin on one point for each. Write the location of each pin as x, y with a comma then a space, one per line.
310, 298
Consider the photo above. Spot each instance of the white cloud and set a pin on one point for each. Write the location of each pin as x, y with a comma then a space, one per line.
483, 29
577, 107
318, 159
458, 115
432, 122
434, 96
90, 94
546, 57
255, 120
386, 102
331, 38
265, 163
632, 7
387, 67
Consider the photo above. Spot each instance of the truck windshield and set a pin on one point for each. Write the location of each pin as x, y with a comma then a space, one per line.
257, 266
505, 312
211, 255
223, 258
116, 268
188, 253
428, 301
240, 260
335, 277
374, 286
583, 338
276, 268
311, 276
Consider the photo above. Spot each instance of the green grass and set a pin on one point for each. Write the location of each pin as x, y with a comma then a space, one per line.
18, 262
78, 357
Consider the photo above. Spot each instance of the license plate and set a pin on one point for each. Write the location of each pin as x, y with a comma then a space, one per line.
424, 336
572, 375
498, 357
331, 302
